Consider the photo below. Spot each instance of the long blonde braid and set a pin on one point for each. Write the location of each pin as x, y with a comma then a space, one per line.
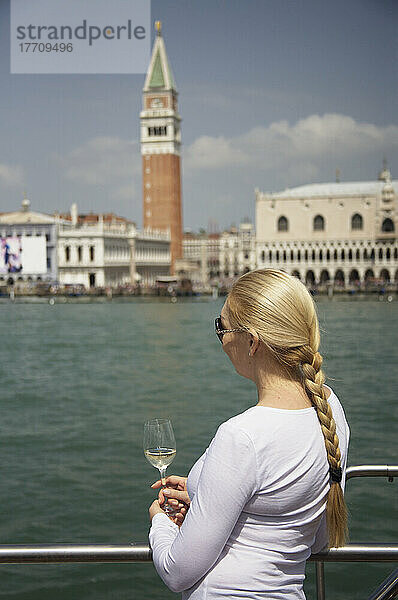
280, 310
336, 511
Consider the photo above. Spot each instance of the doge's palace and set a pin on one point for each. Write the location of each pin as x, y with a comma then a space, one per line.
345, 233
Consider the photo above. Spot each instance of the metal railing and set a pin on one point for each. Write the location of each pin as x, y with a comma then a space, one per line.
103, 553
389, 471
388, 589
133, 553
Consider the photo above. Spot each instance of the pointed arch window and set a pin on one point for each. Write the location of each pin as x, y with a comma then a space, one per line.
319, 223
388, 226
356, 222
283, 224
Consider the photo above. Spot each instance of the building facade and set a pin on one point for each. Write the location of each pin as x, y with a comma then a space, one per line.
104, 250
94, 250
29, 239
341, 233
160, 149
218, 258
237, 251
152, 256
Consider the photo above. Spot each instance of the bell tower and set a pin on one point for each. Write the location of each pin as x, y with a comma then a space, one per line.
160, 149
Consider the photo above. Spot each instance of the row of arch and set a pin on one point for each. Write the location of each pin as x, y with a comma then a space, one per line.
339, 276
321, 254
318, 223
11, 280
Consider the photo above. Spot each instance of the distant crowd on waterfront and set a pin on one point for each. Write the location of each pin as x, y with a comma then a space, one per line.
182, 288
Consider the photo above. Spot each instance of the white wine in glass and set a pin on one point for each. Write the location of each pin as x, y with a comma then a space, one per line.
160, 448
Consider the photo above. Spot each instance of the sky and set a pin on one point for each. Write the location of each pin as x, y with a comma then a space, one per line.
272, 94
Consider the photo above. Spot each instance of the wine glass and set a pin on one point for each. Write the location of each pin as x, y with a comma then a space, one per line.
160, 448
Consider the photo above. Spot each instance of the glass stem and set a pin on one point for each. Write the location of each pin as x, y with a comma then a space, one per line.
163, 476
166, 506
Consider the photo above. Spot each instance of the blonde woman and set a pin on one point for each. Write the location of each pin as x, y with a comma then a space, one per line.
268, 491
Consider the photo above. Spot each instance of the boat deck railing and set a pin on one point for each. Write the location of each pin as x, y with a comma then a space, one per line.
132, 553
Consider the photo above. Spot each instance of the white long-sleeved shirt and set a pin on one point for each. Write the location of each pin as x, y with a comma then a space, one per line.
258, 497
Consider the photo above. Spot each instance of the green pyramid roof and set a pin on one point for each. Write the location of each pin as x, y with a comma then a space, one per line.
157, 79
160, 74
171, 77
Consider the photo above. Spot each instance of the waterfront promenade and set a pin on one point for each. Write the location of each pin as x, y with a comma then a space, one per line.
180, 288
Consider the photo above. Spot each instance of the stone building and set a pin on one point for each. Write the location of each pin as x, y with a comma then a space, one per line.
237, 251
218, 258
94, 250
345, 233
160, 149
36, 234
104, 250
152, 256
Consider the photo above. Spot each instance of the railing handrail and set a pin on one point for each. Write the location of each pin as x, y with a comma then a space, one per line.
388, 471
107, 553
80, 553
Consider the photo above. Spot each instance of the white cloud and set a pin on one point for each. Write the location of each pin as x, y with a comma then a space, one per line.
212, 153
11, 175
106, 161
298, 148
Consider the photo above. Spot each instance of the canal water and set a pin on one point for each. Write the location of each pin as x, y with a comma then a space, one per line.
78, 381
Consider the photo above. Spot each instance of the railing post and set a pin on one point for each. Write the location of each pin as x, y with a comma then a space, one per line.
320, 581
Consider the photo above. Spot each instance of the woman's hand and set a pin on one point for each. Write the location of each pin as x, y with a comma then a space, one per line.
154, 509
176, 495
177, 485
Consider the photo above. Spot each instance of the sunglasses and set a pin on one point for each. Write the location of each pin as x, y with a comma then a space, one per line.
220, 331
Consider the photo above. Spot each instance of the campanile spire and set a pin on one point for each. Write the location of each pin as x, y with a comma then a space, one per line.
160, 148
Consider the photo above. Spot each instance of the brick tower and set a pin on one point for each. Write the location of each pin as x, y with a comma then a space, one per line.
160, 149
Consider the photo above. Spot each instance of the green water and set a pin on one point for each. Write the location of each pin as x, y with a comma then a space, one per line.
79, 380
